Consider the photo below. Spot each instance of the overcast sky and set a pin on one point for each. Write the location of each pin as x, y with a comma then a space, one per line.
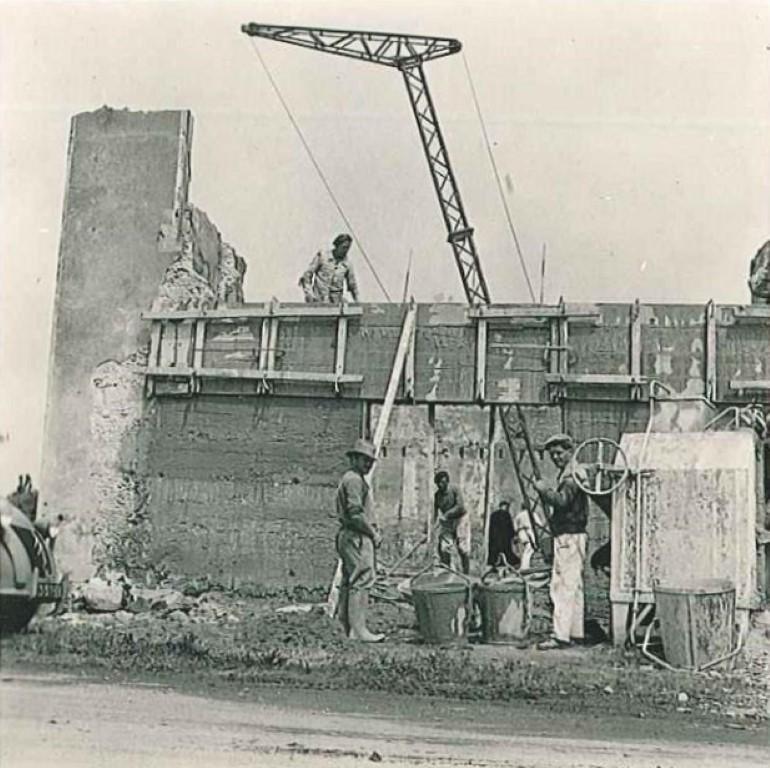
631, 137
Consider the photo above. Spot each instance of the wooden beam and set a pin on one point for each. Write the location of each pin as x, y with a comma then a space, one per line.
272, 343
409, 364
635, 347
481, 360
710, 351
265, 310
339, 351
200, 340
759, 385
611, 379
395, 376
536, 312
264, 342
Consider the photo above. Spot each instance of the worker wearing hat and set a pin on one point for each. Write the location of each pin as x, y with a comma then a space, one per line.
568, 522
325, 279
356, 542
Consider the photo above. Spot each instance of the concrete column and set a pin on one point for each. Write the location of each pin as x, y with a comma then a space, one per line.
128, 176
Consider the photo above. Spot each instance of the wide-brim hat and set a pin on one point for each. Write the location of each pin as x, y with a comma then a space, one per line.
561, 438
363, 448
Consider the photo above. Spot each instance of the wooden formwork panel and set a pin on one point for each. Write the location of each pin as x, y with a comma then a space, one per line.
673, 346
743, 355
232, 344
517, 360
306, 344
602, 347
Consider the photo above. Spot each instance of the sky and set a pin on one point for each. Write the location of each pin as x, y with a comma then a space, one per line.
630, 137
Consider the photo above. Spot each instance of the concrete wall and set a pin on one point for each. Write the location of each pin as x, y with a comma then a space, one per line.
242, 489
128, 173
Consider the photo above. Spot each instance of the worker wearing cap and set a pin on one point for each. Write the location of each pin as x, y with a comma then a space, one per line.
356, 541
454, 526
568, 522
325, 279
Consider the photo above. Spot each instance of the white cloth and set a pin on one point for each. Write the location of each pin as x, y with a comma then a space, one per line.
525, 538
569, 557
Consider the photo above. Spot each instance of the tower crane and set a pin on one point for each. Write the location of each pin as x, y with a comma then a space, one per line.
407, 53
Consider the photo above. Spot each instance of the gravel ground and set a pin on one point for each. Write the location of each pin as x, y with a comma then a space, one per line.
247, 640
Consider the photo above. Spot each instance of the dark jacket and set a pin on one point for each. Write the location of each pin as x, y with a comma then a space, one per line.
501, 536
569, 504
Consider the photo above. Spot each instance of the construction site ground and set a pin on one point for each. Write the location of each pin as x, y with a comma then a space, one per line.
238, 644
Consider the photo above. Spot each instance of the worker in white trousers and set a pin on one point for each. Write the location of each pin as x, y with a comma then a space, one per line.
568, 524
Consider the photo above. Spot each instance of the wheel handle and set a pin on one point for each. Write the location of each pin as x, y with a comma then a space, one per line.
605, 472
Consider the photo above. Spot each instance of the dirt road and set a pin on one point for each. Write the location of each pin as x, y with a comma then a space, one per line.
58, 720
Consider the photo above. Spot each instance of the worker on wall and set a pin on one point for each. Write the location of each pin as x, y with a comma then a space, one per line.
759, 276
568, 524
453, 522
324, 281
356, 541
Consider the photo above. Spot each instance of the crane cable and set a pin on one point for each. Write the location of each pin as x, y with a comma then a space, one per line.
318, 168
499, 185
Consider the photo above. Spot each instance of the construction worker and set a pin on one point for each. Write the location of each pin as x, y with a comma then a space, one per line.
324, 280
759, 276
568, 524
356, 541
453, 522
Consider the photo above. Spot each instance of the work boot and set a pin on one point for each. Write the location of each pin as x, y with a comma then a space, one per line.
358, 604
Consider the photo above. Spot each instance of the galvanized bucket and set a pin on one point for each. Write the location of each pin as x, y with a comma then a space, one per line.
503, 599
697, 623
441, 600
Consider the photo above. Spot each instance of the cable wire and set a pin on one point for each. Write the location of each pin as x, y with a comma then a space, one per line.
318, 168
497, 178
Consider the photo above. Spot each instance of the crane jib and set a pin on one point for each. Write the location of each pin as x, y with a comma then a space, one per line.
407, 53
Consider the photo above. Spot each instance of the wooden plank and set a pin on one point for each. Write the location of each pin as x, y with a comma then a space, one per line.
167, 356
608, 379
155, 332
536, 311
339, 351
235, 313
761, 385
264, 343
254, 373
272, 343
395, 376
635, 346
409, 366
169, 370
710, 351
200, 341
481, 359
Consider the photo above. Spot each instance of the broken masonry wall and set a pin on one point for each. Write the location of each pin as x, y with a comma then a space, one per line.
205, 272
130, 242
126, 172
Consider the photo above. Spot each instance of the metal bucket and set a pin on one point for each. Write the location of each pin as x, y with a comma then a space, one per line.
441, 601
697, 623
503, 599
